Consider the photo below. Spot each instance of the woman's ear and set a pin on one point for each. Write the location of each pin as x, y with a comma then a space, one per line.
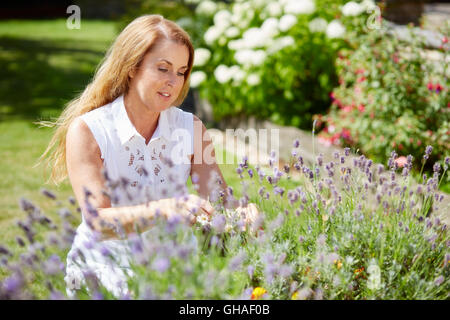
132, 73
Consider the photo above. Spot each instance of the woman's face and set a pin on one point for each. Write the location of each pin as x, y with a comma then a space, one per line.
159, 79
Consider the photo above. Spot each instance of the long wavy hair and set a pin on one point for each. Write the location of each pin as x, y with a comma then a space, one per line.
111, 80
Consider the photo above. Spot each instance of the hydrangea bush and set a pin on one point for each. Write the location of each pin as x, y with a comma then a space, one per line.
345, 229
390, 96
271, 59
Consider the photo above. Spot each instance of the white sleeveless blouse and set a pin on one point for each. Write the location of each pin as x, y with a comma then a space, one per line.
136, 173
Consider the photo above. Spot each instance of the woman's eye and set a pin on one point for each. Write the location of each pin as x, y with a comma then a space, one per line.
180, 74
162, 69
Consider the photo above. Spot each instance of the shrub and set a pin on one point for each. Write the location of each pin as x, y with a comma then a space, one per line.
390, 96
273, 60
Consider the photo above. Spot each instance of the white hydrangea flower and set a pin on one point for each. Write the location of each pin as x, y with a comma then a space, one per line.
253, 79
236, 45
222, 19
254, 38
286, 22
335, 29
206, 8
232, 32
270, 27
352, 9
318, 25
197, 78
280, 43
300, 7
274, 9
212, 34
222, 74
248, 57
201, 56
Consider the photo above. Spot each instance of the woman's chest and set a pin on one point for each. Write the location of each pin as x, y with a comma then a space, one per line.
144, 172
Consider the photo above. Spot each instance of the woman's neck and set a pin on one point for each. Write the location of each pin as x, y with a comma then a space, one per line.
144, 120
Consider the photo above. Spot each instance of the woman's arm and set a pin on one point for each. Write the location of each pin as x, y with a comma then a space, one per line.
84, 166
204, 166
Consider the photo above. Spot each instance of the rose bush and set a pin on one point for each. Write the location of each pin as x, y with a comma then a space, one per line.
390, 96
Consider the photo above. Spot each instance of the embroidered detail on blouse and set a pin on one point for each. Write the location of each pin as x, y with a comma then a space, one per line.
131, 160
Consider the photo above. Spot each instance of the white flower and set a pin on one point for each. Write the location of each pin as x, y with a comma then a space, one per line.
197, 77
238, 76
212, 34
286, 22
368, 5
274, 9
335, 29
202, 219
270, 27
222, 74
201, 56
280, 43
352, 9
248, 57
374, 280
206, 8
317, 25
300, 7
232, 32
253, 79
222, 19
254, 38
238, 44
243, 13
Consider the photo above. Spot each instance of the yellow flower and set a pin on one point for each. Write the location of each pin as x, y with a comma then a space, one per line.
294, 296
258, 292
338, 264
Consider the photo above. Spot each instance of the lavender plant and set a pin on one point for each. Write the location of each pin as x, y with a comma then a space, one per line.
344, 229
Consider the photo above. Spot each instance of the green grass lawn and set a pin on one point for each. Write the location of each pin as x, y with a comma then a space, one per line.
44, 64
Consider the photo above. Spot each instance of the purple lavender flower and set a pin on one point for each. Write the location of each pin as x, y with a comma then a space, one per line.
436, 167
296, 143
237, 261
301, 239
250, 173
439, 280
320, 160
13, 283
278, 190
48, 194
428, 151
250, 271
161, 264
218, 223
347, 151
321, 239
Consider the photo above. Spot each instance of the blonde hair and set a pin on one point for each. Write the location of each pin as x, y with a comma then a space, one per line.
111, 80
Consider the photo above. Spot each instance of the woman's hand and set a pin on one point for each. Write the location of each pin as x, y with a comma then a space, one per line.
188, 207
251, 214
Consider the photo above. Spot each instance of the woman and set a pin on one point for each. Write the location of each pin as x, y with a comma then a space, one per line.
124, 134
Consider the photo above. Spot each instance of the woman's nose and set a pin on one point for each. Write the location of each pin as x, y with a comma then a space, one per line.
171, 80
